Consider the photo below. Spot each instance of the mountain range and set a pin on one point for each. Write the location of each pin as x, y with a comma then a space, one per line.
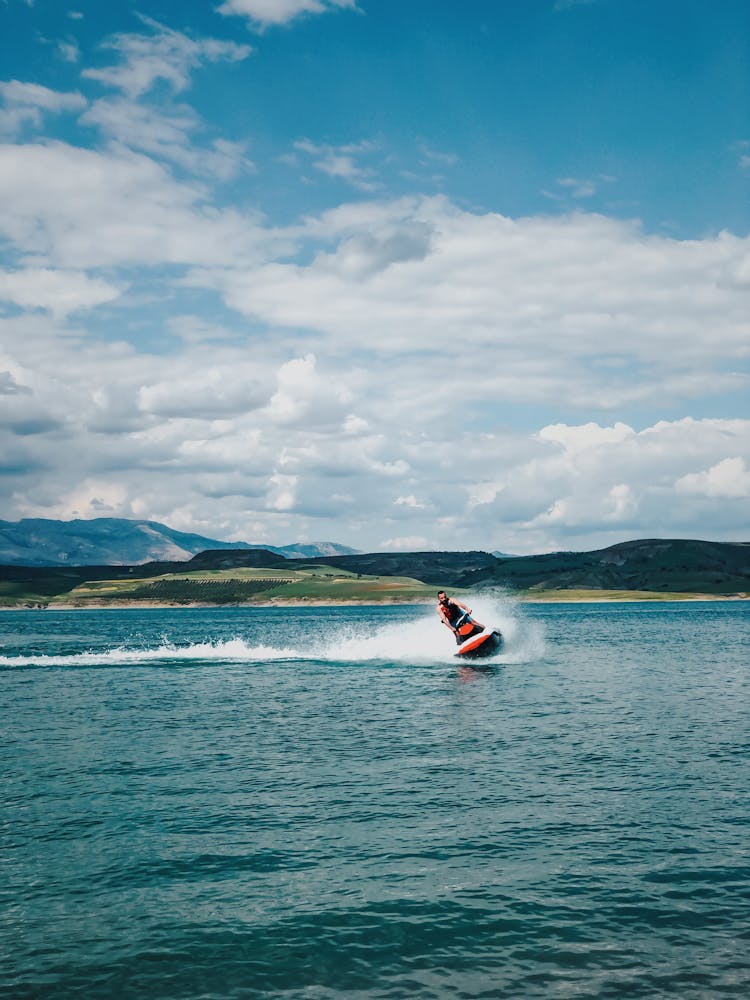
116, 541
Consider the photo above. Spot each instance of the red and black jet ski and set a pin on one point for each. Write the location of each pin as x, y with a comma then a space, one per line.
476, 641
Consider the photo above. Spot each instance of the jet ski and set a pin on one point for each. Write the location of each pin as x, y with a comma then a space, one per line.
476, 640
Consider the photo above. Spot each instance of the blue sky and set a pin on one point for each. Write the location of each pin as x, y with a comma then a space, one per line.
654, 96
402, 275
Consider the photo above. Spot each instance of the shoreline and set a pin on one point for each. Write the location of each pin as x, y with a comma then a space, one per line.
301, 602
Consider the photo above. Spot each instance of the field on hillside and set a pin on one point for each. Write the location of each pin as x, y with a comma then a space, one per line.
232, 586
300, 581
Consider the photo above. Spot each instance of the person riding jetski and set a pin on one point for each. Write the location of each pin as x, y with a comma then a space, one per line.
452, 612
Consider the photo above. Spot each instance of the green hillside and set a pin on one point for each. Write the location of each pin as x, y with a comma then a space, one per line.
650, 568
238, 585
439, 569
20, 585
657, 565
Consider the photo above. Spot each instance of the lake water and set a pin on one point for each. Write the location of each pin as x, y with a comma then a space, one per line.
323, 803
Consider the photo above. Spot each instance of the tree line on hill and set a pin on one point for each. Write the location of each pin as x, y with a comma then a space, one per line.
660, 565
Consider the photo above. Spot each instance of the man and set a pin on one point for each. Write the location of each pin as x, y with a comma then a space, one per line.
451, 612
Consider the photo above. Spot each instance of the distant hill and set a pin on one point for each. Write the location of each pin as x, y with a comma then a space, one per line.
300, 550
45, 582
654, 564
440, 569
435, 568
116, 541
234, 559
668, 565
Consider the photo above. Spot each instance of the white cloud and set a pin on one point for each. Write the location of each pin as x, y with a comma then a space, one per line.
306, 398
25, 103
635, 481
624, 503
728, 479
375, 351
68, 51
213, 393
340, 163
77, 208
166, 135
581, 439
9, 385
577, 187
281, 495
61, 292
164, 55
436, 155
512, 309
264, 13
194, 435
91, 498
355, 425
409, 501
34, 95
406, 543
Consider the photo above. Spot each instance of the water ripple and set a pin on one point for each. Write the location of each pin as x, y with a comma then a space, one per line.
569, 824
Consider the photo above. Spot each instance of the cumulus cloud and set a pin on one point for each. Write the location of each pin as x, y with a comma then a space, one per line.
264, 13
355, 374
79, 208
599, 476
409, 501
9, 386
195, 439
212, 393
91, 498
534, 300
582, 439
307, 398
281, 491
351, 421
61, 292
728, 479
623, 501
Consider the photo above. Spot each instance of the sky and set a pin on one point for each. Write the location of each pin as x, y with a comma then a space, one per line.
400, 275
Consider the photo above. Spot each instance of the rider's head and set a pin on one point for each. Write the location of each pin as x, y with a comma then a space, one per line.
442, 597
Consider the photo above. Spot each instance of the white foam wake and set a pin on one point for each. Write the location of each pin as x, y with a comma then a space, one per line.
426, 640
420, 640
232, 650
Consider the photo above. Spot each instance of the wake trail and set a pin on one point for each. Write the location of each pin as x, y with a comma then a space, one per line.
422, 640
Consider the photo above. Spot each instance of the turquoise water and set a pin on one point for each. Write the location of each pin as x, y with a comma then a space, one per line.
323, 803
